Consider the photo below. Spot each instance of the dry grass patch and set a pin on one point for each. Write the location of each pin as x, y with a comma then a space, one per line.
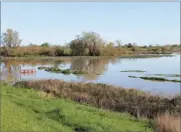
167, 123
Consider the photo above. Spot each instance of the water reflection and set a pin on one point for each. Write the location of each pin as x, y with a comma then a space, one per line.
10, 71
102, 70
94, 67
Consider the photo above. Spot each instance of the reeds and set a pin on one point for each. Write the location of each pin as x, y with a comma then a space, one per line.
167, 123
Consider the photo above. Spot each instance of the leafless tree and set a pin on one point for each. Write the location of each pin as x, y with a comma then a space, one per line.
11, 38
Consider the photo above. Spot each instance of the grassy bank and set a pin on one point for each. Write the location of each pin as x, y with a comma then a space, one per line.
135, 102
29, 110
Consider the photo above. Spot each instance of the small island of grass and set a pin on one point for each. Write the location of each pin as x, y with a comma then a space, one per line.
159, 79
133, 71
132, 76
58, 70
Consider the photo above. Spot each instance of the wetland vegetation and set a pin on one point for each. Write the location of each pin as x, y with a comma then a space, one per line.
133, 71
135, 102
159, 79
58, 70
54, 104
85, 44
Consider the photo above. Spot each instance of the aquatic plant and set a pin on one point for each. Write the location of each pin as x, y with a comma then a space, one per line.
53, 69
43, 68
132, 76
78, 72
168, 75
159, 79
133, 71
66, 71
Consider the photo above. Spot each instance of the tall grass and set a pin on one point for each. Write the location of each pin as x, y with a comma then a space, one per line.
167, 123
137, 103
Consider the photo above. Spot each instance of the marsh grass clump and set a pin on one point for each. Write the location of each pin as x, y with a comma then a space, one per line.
132, 76
66, 71
43, 68
133, 71
79, 72
53, 69
168, 75
135, 102
57, 70
159, 79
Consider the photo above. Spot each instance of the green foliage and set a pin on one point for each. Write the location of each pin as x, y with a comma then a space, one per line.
66, 71
59, 51
78, 46
46, 44
67, 51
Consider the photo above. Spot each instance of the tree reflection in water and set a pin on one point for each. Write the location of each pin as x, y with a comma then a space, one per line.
94, 66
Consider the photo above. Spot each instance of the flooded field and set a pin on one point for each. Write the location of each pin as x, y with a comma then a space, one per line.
103, 70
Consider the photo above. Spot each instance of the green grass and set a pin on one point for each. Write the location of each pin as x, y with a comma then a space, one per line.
28, 110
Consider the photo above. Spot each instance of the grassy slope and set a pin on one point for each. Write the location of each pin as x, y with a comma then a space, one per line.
26, 109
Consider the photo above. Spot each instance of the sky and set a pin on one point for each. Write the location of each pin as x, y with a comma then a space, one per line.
59, 22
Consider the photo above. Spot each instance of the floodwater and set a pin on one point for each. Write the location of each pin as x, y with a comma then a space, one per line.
102, 70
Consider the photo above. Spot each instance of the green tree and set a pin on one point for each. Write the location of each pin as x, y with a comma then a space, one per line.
67, 51
77, 46
46, 44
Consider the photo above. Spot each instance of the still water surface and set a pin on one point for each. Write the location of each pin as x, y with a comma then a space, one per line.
102, 70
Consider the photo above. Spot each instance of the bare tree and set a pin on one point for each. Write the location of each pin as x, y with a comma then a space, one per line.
11, 38
119, 43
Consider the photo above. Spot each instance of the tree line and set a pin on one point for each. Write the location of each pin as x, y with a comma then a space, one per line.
85, 44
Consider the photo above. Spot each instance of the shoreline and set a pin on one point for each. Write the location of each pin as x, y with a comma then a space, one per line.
106, 96
82, 57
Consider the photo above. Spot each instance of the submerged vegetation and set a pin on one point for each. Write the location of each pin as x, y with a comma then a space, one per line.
156, 79
132, 76
132, 101
133, 71
29, 110
159, 79
65, 71
167, 75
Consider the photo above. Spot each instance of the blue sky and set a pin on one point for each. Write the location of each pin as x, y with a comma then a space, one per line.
59, 22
